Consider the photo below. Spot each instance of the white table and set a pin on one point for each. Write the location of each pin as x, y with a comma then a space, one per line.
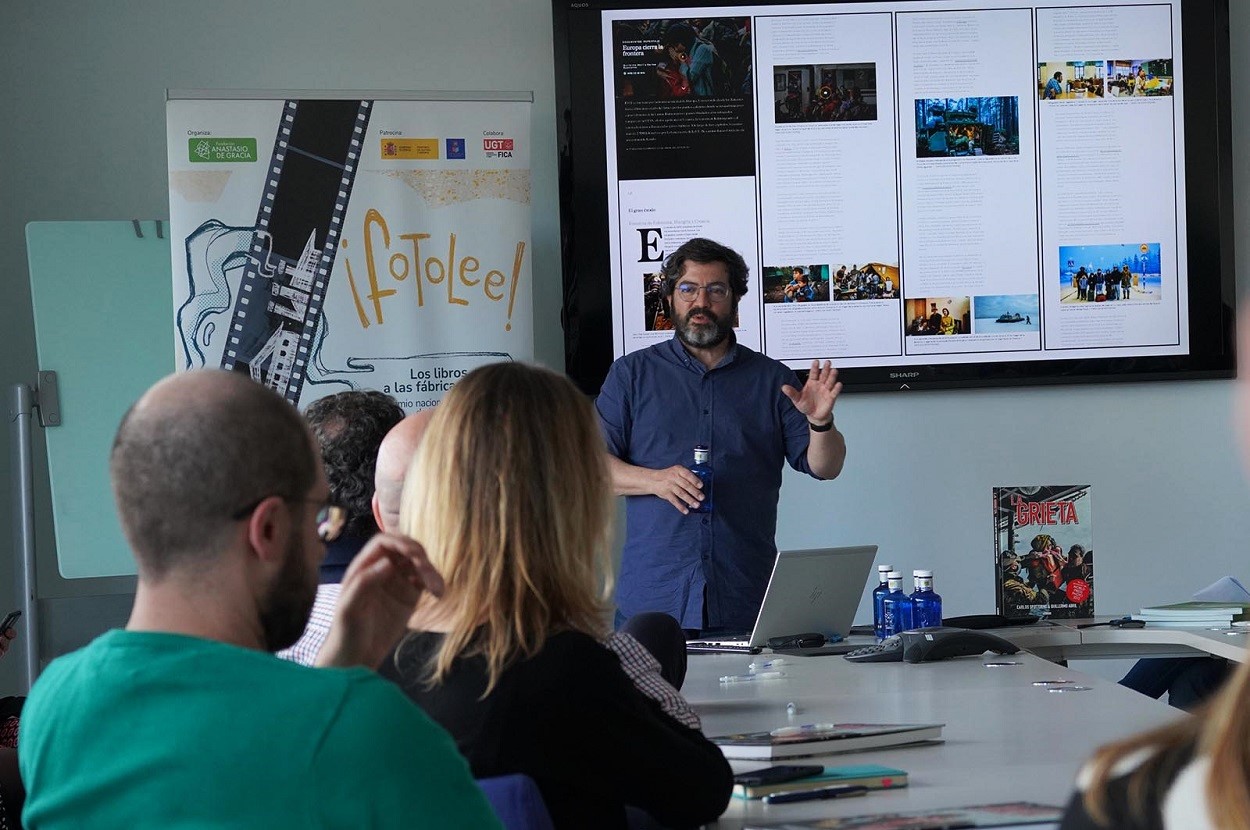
1062, 640
1006, 740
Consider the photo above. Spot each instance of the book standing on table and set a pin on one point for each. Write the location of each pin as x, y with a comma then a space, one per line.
1043, 551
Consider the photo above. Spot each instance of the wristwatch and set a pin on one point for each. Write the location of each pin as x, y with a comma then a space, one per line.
820, 427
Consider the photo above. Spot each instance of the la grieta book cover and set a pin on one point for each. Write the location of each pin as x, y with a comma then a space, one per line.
1044, 551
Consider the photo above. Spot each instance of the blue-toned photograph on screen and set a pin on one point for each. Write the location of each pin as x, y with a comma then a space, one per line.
796, 283
1110, 273
967, 127
1005, 313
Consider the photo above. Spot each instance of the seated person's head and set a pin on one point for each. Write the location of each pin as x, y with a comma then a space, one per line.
394, 457
349, 428
509, 494
218, 489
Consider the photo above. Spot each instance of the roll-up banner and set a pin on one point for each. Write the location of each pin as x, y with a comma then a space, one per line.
330, 241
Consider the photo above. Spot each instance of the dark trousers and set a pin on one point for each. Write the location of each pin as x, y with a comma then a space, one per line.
661, 635
1188, 681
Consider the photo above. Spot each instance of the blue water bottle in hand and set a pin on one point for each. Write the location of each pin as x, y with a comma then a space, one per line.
702, 467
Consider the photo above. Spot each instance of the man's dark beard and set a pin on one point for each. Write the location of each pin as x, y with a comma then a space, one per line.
285, 607
707, 335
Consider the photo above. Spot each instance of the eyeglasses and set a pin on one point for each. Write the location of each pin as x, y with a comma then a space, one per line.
716, 292
330, 517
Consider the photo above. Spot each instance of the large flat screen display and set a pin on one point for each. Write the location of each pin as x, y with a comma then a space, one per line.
927, 193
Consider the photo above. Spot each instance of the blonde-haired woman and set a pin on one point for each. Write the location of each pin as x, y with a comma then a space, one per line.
510, 496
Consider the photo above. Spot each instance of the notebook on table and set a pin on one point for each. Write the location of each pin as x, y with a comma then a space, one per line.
814, 590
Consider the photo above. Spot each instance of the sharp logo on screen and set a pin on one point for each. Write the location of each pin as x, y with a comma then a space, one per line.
904, 375
210, 150
497, 147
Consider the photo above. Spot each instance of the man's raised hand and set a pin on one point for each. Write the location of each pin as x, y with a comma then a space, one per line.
817, 397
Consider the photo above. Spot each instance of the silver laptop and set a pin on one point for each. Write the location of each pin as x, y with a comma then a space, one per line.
810, 591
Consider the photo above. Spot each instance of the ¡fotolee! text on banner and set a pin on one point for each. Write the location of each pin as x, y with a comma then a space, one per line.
323, 244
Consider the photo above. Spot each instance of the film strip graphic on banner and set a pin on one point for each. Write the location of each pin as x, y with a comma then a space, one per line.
278, 308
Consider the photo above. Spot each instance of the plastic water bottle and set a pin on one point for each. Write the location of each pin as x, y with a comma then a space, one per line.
878, 594
926, 606
896, 607
702, 467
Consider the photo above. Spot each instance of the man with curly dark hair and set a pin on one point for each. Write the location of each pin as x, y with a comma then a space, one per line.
349, 428
707, 565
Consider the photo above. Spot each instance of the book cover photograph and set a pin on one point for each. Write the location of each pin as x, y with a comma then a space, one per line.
1043, 551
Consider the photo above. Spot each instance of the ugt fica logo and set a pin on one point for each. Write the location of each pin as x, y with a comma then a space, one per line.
497, 148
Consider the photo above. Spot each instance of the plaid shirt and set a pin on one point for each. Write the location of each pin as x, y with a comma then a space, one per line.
306, 647
644, 670
638, 663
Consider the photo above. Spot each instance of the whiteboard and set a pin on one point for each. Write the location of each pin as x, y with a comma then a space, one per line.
101, 297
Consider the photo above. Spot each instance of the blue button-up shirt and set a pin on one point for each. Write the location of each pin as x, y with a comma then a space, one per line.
655, 406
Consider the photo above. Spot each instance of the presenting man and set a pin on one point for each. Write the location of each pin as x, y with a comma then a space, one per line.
183, 719
708, 569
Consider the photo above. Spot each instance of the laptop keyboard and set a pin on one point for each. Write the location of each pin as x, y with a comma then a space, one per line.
720, 646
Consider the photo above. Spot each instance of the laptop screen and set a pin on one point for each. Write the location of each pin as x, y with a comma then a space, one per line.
815, 590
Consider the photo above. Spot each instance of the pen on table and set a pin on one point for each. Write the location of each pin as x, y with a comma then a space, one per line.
814, 795
747, 678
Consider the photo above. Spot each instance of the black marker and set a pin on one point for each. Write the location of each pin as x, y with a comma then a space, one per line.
814, 795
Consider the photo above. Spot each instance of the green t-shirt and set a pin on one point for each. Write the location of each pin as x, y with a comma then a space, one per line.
155, 730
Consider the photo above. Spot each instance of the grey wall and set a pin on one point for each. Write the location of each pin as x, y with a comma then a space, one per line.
84, 139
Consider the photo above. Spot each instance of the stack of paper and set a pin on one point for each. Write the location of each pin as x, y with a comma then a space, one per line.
1225, 589
1190, 614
